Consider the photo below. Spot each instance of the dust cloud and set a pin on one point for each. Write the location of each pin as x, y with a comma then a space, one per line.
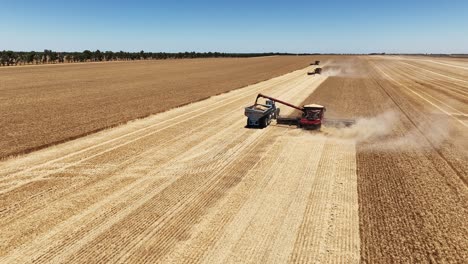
342, 69
332, 71
386, 132
364, 128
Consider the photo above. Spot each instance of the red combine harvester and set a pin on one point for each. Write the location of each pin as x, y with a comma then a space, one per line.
260, 115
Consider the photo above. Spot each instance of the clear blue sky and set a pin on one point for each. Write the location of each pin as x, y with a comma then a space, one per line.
236, 26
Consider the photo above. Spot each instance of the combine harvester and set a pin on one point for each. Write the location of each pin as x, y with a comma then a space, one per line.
261, 115
315, 63
316, 71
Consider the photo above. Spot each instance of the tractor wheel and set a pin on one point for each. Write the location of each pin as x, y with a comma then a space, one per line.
263, 122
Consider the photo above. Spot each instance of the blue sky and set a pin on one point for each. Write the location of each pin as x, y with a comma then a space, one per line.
236, 26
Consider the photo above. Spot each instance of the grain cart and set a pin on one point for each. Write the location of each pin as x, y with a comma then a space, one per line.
260, 115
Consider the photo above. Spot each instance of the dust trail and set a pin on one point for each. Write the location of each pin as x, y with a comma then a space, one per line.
342, 69
332, 71
365, 128
386, 132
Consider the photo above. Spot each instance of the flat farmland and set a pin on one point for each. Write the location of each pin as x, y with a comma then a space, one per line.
189, 184
193, 185
45, 105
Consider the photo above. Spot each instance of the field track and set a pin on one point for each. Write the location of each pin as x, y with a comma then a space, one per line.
193, 185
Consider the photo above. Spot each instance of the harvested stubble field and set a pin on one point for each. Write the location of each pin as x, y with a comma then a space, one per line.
411, 154
45, 105
193, 185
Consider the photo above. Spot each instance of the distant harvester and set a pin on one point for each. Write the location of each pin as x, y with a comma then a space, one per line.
315, 63
316, 71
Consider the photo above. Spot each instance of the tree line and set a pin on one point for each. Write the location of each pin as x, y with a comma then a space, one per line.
13, 58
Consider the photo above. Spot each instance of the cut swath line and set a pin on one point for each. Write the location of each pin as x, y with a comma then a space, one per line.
235, 125
190, 114
449, 106
456, 91
441, 63
79, 161
427, 94
420, 96
418, 76
98, 208
62, 168
448, 64
464, 115
453, 78
167, 143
